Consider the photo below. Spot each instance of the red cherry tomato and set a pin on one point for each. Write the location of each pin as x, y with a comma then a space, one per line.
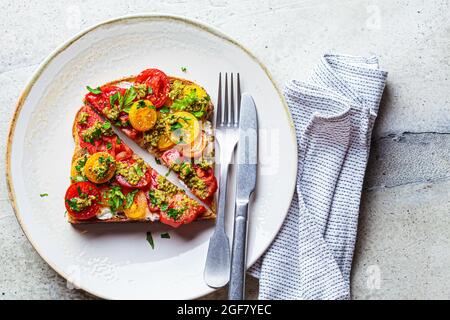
159, 82
186, 215
77, 190
142, 183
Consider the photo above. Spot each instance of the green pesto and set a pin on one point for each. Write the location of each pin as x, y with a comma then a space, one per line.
96, 131
132, 173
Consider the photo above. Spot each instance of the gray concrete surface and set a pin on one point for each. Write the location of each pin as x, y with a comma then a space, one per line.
404, 234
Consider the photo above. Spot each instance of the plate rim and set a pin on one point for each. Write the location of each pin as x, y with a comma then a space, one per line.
42, 66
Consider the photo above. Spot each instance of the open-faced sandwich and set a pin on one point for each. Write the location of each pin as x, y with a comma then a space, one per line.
169, 117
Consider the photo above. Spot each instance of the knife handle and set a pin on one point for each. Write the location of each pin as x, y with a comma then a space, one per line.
238, 255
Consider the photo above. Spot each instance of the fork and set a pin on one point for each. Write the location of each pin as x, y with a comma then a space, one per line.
217, 268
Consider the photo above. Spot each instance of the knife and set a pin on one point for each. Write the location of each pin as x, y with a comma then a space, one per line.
247, 158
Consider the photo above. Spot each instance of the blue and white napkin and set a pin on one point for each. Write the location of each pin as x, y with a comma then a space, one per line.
334, 113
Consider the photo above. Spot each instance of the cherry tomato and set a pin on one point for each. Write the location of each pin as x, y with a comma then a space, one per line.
159, 84
142, 115
100, 160
138, 209
82, 189
184, 215
186, 128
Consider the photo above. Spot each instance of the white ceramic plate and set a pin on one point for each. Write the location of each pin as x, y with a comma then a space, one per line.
116, 261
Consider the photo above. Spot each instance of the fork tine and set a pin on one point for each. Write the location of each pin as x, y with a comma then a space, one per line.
226, 107
219, 102
238, 107
232, 104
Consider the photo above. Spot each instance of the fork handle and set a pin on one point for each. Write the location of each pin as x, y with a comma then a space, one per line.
238, 253
223, 178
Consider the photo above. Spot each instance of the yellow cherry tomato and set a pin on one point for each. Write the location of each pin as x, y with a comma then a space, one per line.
100, 167
139, 207
165, 143
201, 93
143, 115
184, 128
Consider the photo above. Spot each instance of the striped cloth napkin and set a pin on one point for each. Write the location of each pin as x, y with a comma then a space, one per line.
334, 113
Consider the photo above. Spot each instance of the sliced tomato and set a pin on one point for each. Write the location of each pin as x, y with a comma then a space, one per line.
185, 215
142, 183
159, 84
101, 101
210, 181
171, 157
76, 190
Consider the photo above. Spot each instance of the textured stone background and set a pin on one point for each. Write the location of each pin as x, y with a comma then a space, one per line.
402, 250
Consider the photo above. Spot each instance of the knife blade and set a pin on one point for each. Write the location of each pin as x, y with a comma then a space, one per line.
247, 160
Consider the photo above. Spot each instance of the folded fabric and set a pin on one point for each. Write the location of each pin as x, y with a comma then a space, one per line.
333, 113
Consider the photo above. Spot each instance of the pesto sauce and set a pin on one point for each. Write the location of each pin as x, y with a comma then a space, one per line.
132, 173
96, 131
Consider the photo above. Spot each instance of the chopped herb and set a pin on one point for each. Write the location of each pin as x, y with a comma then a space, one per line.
184, 69
141, 104
165, 235
150, 239
164, 206
139, 171
44, 195
115, 198
79, 178
198, 114
157, 161
176, 126
150, 90
168, 172
94, 91
164, 109
151, 194
114, 98
128, 98
106, 125
130, 198
175, 213
118, 141
109, 146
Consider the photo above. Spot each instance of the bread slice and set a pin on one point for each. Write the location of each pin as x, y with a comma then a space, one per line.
81, 152
195, 181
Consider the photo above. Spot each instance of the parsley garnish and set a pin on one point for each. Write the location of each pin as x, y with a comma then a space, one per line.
176, 126
109, 146
118, 141
168, 172
164, 206
175, 213
150, 90
184, 69
115, 198
106, 125
44, 195
128, 98
164, 109
150, 239
198, 114
94, 91
157, 161
151, 194
114, 98
130, 198
165, 235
